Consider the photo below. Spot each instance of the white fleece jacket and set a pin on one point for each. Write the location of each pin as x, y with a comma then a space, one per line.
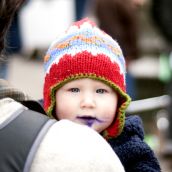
68, 147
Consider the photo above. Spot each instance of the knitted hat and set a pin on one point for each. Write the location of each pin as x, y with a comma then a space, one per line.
85, 51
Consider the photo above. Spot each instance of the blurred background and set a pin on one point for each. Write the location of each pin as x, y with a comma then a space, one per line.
142, 27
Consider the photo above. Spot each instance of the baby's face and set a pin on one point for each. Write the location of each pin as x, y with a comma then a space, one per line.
86, 101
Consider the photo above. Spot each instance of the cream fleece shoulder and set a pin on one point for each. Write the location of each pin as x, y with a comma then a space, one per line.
76, 148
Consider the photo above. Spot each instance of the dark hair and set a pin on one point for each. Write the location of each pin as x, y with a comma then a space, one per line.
7, 10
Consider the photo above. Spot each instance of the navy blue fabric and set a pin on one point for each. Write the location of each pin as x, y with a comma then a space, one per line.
134, 153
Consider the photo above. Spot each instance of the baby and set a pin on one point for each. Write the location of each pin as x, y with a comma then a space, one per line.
85, 83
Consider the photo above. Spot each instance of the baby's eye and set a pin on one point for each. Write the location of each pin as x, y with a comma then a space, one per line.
101, 91
75, 90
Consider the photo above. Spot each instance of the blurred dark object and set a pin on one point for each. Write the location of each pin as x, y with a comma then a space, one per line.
79, 8
162, 15
13, 38
14, 42
119, 19
6, 15
10, 39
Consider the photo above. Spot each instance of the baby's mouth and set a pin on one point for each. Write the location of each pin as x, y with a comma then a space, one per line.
88, 120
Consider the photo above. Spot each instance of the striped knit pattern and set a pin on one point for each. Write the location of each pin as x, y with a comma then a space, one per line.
85, 51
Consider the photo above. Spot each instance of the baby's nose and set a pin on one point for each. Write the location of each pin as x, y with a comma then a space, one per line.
88, 102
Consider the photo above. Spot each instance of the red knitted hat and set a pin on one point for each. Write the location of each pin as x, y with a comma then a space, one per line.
85, 51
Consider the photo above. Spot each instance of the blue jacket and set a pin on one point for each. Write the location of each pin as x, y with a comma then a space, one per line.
134, 153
